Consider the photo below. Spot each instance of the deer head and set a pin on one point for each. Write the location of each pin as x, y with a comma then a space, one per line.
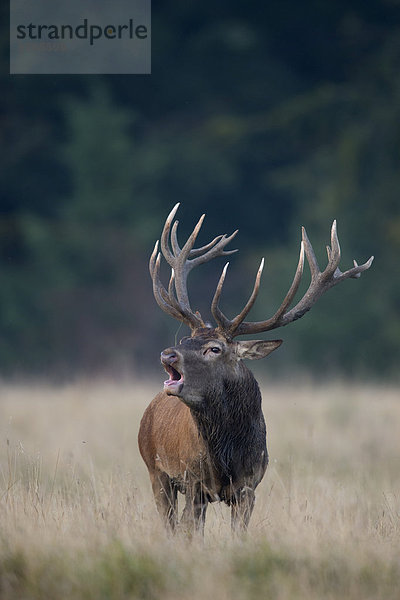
211, 351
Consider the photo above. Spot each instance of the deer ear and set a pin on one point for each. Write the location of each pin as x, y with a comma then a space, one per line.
255, 349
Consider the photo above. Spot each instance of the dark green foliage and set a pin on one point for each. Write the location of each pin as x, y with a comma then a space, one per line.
119, 574
114, 573
265, 572
266, 116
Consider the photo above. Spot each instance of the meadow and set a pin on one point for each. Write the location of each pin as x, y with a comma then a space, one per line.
78, 521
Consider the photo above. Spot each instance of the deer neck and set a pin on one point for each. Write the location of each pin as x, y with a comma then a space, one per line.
232, 425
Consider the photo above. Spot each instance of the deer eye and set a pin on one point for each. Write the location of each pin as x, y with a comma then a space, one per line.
215, 349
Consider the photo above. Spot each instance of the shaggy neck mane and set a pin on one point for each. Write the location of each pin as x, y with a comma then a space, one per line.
232, 425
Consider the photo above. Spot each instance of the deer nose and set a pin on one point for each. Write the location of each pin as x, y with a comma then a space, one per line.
168, 357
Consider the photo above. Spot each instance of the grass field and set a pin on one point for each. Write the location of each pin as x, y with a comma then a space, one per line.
77, 518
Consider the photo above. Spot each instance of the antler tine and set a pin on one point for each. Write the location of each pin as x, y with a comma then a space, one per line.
191, 240
294, 287
311, 258
355, 272
174, 239
244, 328
222, 321
171, 292
154, 267
230, 326
243, 314
169, 257
182, 267
333, 253
197, 251
171, 284
153, 257
217, 250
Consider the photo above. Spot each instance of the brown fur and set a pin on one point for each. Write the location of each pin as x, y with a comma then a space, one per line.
169, 437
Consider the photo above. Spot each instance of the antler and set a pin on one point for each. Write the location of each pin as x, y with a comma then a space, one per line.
175, 301
320, 283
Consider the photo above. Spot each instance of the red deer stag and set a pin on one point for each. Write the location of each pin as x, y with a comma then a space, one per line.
204, 435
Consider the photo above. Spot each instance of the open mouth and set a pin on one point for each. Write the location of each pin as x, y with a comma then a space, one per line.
174, 384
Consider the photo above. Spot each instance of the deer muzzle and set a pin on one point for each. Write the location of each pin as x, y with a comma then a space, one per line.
171, 363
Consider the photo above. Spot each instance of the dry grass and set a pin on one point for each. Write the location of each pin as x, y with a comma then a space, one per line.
77, 518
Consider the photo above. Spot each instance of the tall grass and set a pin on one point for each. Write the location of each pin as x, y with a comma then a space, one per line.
77, 518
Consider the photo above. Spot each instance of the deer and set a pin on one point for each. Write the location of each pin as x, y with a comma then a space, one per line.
204, 435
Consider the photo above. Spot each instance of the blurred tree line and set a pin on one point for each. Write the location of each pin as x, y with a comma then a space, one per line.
266, 116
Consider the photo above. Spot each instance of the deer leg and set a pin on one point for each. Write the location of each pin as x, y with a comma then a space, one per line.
194, 513
165, 494
241, 509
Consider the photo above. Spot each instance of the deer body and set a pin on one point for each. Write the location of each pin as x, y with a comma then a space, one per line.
210, 443
205, 434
